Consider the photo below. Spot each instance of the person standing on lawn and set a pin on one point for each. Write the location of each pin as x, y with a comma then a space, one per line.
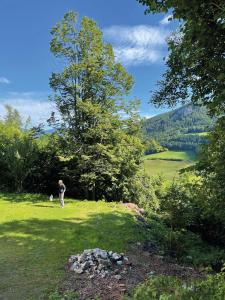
62, 189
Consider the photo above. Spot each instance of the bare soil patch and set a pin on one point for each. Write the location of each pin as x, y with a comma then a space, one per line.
144, 264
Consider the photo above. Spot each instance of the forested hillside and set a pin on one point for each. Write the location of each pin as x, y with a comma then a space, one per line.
184, 128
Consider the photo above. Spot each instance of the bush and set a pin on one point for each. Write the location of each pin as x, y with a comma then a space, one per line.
172, 288
180, 203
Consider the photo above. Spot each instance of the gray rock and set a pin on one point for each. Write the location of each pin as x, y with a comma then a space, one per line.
115, 256
73, 258
99, 262
91, 263
103, 254
85, 265
104, 262
74, 266
100, 267
96, 252
79, 271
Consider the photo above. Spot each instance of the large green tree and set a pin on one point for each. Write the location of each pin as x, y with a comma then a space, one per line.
105, 149
89, 73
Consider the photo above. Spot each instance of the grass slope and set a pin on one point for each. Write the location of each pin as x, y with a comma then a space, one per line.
167, 168
37, 237
165, 163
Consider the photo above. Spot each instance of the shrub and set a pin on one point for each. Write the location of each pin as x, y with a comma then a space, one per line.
172, 288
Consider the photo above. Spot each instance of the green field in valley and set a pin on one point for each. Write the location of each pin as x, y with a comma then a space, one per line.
37, 237
205, 133
168, 163
173, 155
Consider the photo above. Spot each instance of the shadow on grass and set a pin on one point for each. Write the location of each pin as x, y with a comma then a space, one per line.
48, 206
31, 198
34, 252
23, 197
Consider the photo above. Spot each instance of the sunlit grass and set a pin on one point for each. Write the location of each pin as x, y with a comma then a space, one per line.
37, 237
168, 163
173, 155
167, 168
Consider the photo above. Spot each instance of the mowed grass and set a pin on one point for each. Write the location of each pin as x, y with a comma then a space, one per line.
168, 163
179, 155
37, 237
167, 168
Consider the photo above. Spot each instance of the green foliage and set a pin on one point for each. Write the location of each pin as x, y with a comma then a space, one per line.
18, 151
145, 191
181, 203
196, 62
57, 295
17, 158
27, 162
152, 146
91, 81
179, 229
105, 150
212, 170
172, 288
195, 70
12, 118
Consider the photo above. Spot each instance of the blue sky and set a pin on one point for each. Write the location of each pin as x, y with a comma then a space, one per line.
26, 62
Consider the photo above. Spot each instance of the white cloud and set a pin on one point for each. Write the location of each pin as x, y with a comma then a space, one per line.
135, 45
33, 104
4, 80
141, 35
165, 20
136, 55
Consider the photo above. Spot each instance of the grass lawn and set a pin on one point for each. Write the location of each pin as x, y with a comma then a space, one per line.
168, 168
37, 237
180, 155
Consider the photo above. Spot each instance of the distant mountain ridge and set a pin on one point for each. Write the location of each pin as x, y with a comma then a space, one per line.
184, 128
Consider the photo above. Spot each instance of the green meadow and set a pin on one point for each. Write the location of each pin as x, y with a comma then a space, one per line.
205, 133
168, 163
173, 155
37, 237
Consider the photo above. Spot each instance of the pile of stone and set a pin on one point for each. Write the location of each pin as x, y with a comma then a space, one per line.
98, 262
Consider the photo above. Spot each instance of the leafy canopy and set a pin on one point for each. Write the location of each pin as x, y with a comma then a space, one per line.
105, 150
196, 64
